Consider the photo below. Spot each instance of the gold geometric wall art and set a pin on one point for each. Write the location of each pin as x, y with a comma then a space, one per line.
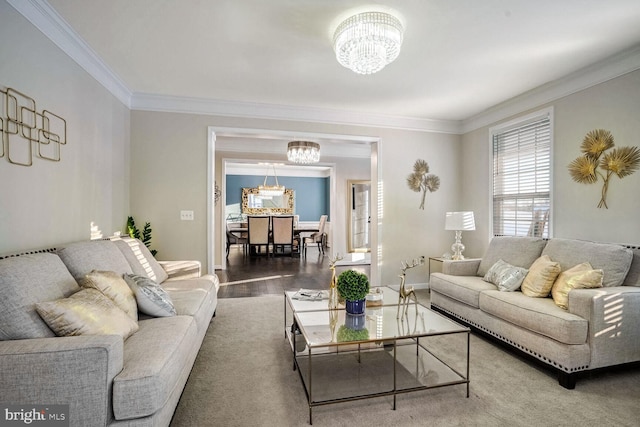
22, 127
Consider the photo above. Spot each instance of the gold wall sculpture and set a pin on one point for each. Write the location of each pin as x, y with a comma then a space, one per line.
422, 180
22, 126
620, 161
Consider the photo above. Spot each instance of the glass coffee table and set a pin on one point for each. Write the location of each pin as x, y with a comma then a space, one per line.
342, 358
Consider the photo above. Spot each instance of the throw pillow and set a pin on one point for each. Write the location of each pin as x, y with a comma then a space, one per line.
113, 286
87, 312
581, 276
539, 281
505, 276
152, 299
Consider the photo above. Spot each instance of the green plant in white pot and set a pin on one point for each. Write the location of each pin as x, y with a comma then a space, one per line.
353, 288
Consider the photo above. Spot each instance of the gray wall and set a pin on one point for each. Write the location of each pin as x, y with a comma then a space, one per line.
169, 173
613, 105
51, 203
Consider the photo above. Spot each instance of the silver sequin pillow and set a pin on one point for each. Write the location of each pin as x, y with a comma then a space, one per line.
505, 276
151, 298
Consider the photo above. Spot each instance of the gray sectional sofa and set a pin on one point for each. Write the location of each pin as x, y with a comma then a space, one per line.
106, 380
600, 328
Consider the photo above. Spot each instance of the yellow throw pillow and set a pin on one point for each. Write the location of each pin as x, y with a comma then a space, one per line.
581, 276
113, 286
542, 274
87, 312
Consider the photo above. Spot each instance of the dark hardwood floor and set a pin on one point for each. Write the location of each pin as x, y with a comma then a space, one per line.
254, 276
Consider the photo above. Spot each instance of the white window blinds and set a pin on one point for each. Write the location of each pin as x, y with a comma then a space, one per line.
522, 179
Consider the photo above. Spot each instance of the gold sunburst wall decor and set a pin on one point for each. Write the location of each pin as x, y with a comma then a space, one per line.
422, 180
621, 161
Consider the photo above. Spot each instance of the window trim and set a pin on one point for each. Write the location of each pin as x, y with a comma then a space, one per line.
512, 124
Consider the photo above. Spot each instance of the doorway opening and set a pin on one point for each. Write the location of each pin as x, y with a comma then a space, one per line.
340, 155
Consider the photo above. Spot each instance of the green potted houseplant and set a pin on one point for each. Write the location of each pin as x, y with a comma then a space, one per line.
353, 287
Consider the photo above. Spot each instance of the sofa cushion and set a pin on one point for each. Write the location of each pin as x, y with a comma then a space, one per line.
517, 251
87, 312
633, 276
140, 259
24, 281
542, 274
581, 276
465, 289
154, 360
505, 276
614, 260
194, 297
151, 298
538, 315
113, 286
83, 257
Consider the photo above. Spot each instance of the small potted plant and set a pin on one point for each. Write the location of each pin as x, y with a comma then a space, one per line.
346, 334
353, 288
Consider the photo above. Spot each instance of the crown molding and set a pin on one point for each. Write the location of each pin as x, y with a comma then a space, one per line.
46, 19
615, 66
341, 149
177, 104
244, 140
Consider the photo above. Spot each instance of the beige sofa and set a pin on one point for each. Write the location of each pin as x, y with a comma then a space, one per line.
600, 328
105, 379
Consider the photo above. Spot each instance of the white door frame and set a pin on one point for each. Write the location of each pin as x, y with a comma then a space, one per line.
214, 229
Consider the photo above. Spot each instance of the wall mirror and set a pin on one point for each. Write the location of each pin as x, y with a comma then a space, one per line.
255, 204
359, 216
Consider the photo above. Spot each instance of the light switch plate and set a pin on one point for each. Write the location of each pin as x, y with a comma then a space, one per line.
186, 215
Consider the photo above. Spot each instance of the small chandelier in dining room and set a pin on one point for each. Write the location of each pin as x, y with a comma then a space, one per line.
271, 190
366, 42
303, 152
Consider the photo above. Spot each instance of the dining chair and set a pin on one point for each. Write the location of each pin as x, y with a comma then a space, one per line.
258, 230
317, 237
235, 239
282, 233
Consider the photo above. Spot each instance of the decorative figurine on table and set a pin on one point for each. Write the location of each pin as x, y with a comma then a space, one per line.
406, 293
333, 286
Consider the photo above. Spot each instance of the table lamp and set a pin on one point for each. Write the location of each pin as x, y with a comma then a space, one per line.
459, 221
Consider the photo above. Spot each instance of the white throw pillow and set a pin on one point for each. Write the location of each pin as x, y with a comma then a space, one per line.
505, 276
151, 298
87, 312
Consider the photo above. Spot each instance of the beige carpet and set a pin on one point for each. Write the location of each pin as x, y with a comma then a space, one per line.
243, 377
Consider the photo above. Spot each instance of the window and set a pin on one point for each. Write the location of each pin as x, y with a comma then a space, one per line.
521, 195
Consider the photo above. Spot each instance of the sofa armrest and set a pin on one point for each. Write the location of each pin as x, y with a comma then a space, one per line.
182, 269
465, 267
77, 371
614, 322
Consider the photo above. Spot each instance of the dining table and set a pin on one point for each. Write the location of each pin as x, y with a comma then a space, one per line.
296, 230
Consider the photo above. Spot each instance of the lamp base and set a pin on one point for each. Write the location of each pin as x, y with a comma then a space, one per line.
458, 247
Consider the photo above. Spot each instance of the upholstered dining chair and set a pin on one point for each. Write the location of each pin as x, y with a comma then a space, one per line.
234, 239
258, 230
317, 237
282, 233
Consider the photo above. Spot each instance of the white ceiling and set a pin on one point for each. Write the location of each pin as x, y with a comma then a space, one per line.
459, 57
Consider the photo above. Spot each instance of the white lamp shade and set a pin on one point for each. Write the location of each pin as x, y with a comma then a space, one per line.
460, 221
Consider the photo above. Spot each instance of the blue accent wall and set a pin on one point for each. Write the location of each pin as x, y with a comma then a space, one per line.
312, 194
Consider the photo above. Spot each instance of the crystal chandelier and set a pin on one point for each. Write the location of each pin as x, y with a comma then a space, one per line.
271, 190
368, 41
303, 152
